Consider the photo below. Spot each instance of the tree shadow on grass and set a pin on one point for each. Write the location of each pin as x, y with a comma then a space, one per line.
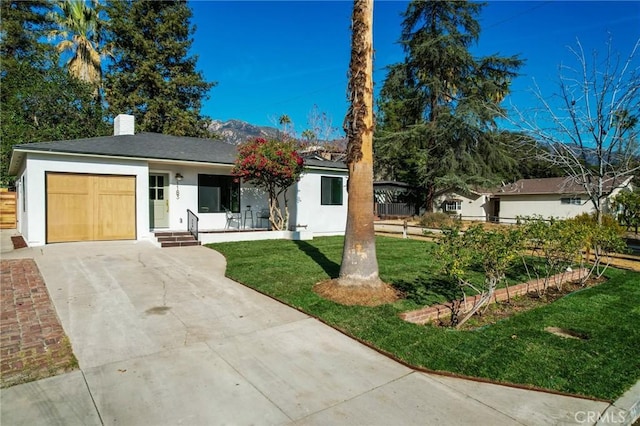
330, 267
429, 290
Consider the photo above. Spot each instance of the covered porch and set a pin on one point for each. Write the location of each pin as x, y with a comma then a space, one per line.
246, 225
180, 238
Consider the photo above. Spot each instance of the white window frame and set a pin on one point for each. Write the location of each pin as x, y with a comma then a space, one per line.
452, 205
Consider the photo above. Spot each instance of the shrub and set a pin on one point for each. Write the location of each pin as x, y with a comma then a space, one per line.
558, 242
627, 204
494, 251
437, 220
600, 240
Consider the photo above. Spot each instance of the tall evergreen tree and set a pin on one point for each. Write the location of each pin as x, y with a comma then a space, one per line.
438, 108
153, 77
22, 25
39, 101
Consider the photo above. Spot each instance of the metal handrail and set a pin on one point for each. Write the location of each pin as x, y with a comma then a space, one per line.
192, 224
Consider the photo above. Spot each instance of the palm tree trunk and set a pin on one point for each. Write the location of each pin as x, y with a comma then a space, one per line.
359, 263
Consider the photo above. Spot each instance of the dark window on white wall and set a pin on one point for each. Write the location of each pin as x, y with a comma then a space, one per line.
156, 187
331, 191
23, 193
218, 193
572, 200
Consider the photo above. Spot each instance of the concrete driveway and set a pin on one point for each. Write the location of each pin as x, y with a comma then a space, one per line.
163, 338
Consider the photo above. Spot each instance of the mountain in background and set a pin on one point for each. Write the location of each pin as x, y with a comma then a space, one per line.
236, 131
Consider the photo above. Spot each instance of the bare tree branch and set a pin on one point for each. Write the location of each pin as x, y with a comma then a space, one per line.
591, 126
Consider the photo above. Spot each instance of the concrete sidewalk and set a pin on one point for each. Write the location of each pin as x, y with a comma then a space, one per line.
162, 337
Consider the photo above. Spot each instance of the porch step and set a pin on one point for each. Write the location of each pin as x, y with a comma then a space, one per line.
176, 239
180, 243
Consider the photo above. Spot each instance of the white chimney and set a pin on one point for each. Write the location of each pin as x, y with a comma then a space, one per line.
124, 124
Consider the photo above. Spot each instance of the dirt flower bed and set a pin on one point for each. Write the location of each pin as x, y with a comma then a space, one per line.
504, 309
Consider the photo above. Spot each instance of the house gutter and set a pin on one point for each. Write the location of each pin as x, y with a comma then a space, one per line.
334, 169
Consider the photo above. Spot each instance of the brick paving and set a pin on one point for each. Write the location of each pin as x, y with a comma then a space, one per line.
18, 242
33, 344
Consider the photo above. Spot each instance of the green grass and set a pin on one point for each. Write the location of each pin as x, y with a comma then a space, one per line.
515, 350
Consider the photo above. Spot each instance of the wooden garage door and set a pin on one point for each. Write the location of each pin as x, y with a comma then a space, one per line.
90, 207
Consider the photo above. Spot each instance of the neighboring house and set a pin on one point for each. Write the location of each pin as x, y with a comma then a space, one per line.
469, 204
558, 197
128, 185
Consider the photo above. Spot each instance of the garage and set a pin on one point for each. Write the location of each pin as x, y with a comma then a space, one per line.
86, 207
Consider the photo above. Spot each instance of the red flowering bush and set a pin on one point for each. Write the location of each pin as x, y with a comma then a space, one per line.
274, 166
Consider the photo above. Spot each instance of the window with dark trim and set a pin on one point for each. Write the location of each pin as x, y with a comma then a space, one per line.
330, 191
23, 193
218, 193
156, 187
571, 200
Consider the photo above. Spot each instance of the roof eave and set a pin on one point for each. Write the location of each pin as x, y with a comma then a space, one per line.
117, 157
332, 168
16, 161
499, 194
17, 158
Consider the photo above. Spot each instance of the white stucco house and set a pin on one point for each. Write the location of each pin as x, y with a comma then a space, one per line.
558, 197
468, 204
127, 186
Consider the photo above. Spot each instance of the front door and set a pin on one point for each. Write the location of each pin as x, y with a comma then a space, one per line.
159, 200
494, 210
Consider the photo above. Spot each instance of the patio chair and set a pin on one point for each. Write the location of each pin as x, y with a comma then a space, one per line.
231, 217
262, 215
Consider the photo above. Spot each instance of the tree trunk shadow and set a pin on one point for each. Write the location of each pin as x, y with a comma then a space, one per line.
330, 267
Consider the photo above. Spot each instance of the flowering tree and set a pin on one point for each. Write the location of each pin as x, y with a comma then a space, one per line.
273, 165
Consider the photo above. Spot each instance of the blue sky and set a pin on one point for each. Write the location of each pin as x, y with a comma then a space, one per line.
283, 57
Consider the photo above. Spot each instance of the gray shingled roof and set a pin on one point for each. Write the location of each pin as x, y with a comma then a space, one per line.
152, 146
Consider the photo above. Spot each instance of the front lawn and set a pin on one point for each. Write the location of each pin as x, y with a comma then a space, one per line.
515, 350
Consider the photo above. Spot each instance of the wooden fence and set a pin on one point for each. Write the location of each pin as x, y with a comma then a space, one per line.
7, 209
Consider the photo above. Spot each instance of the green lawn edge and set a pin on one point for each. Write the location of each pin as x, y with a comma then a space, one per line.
516, 350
